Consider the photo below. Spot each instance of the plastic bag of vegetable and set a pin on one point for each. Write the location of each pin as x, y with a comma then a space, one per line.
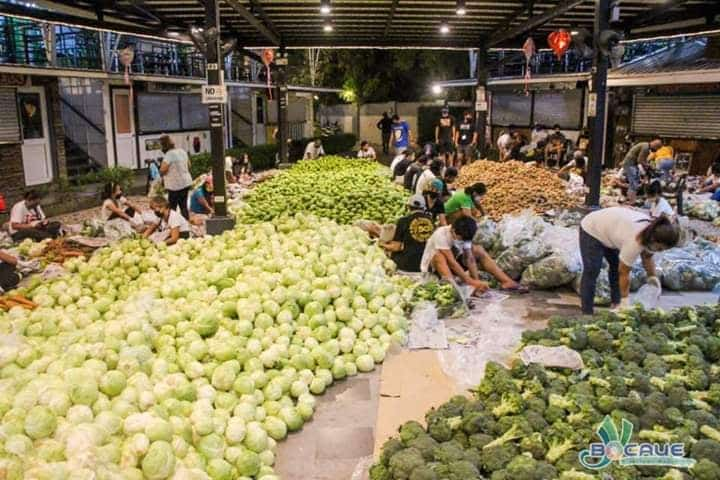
516, 259
487, 234
705, 210
550, 272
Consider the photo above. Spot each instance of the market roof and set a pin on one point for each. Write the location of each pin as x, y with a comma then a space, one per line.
695, 54
364, 23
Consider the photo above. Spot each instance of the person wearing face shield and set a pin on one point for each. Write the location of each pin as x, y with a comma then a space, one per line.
620, 235
168, 221
636, 159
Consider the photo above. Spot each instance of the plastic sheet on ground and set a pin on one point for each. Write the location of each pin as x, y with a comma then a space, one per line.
52, 271
558, 357
362, 468
426, 329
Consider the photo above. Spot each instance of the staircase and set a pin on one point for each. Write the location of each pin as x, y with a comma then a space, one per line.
77, 160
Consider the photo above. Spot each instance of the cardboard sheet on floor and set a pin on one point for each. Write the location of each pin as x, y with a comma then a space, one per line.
411, 383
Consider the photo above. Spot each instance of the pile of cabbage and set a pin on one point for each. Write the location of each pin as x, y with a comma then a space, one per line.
342, 189
192, 361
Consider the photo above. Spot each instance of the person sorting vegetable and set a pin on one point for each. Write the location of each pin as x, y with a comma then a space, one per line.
656, 202
465, 203
27, 220
168, 221
411, 233
201, 199
116, 205
621, 235
636, 158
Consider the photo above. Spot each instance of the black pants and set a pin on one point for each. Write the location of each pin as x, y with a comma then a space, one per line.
386, 141
9, 278
179, 198
38, 234
593, 252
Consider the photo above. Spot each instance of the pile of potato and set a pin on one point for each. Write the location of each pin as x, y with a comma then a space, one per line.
514, 186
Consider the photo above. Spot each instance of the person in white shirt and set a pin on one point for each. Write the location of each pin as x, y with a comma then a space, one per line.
430, 174
621, 235
538, 136
366, 151
175, 169
504, 144
656, 202
116, 205
314, 150
169, 221
442, 248
27, 220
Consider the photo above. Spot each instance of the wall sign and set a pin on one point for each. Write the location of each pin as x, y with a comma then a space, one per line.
214, 94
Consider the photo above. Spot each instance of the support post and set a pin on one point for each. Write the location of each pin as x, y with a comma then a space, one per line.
597, 106
281, 92
481, 100
220, 221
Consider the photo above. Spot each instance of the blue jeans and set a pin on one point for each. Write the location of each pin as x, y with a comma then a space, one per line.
716, 195
633, 177
593, 252
666, 165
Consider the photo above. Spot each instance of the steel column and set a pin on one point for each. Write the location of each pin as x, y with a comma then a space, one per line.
281, 92
220, 222
597, 106
481, 100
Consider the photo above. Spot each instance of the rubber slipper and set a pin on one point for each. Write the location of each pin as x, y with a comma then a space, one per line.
519, 289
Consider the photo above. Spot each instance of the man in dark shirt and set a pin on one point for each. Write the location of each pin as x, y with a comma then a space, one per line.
434, 203
414, 171
385, 127
411, 232
466, 139
445, 136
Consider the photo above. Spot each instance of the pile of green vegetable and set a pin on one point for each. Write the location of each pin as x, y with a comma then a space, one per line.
655, 369
342, 189
190, 362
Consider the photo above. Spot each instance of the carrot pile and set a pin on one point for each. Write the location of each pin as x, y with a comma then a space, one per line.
57, 251
9, 301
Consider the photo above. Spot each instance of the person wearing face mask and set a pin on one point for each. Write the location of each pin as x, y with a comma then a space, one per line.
621, 235
400, 131
116, 205
201, 200
636, 158
465, 203
169, 222
466, 139
445, 133
27, 220
175, 169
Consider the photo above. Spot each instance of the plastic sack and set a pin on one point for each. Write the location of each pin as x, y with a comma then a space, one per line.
602, 288
117, 229
550, 272
648, 296
557, 357
515, 260
705, 210
487, 234
689, 268
426, 330
517, 229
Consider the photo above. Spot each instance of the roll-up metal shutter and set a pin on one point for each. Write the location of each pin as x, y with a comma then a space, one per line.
9, 122
688, 116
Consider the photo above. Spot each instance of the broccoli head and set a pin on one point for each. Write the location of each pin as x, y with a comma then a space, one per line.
600, 340
462, 470
557, 448
702, 417
533, 444
425, 444
496, 457
536, 420
706, 449
390, 448
673, 417
706, 470
555, 400
522, 467
554, 414
479, 440
591, 358
655, 365
380, 472
576, 475
497, 379
424, 472
410, 430
477, 422
403, 463
448, 452
509, 404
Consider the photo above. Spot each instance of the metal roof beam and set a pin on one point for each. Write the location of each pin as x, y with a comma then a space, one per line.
391, 16
254, 22
255, 6
534, 22
645, 18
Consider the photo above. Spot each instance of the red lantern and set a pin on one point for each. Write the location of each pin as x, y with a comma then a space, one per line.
268, 55
560, 41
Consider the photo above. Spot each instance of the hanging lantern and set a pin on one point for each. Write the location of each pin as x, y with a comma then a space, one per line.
268, 55
529, 51
560, 41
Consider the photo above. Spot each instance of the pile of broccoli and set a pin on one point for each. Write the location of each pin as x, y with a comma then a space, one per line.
658, 370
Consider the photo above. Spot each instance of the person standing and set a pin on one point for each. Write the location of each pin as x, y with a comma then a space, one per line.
466, 139
366, 151
636, 158
411, 233
400, 134
445, 135
175, 169
385, 127
620, 235
27, 220
314, 150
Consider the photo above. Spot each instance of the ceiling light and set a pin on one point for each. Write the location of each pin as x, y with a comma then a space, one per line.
437, 89
574, 33
328, 27
173, 34
315, 97
460, 9
325, 7
444, 28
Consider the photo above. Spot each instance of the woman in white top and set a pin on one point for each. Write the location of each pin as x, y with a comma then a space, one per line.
175, 169
621, 235
116, 205
656, 202
169, 221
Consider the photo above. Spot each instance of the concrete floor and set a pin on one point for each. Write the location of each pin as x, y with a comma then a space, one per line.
353, 419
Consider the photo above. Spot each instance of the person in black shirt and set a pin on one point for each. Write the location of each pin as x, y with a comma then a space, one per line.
445, 136
411, 232
414, 171
385, 127
466, 139
434, 204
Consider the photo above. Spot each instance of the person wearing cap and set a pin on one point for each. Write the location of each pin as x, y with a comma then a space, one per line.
411, 233
201, 200
466, 202
445, 133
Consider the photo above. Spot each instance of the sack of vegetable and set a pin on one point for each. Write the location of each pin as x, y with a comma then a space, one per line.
551, 272
515, 260
487, 234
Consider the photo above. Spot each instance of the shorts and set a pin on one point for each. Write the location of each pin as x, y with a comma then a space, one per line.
467, 150
633, 177
446, 147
